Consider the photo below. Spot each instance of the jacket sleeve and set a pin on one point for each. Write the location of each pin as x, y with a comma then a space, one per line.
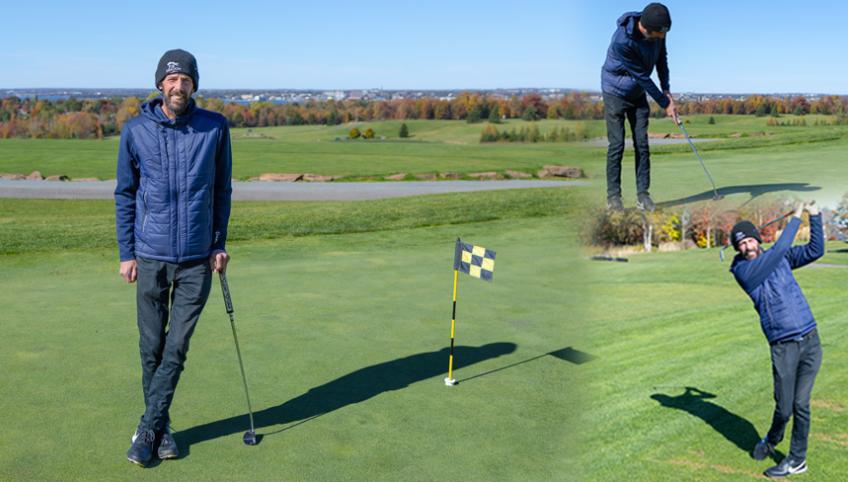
662, 69
128, 176
800, 256
751, 274
223, 190
629, 60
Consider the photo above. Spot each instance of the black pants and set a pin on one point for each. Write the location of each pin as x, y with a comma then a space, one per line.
636, 111
169, 299
794, 366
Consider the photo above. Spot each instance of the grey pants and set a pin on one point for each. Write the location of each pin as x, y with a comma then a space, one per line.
794, 366
169, 299
636, 112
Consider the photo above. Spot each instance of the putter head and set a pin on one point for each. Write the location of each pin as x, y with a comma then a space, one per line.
250, 438
718, 197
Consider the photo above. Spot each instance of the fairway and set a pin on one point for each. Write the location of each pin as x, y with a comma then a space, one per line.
664, 322
750, 159
345, 341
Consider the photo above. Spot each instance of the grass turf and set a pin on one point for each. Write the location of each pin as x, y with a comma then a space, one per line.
663, 322
344, 339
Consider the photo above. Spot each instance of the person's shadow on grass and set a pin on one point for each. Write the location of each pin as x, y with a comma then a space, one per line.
349, 389
753, 190
734, 428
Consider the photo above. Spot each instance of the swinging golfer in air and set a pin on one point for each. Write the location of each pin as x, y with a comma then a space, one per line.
172, 204
786, 320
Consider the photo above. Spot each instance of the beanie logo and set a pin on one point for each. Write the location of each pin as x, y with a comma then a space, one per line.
173, 67
740, 236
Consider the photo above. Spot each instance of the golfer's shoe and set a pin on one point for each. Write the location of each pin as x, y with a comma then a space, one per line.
614, 204
167, 446
645, 203
763, 449
786, 467
141, 450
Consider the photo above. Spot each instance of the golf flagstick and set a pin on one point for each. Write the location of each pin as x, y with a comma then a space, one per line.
477, 262
716, 195
449, 380
250, 437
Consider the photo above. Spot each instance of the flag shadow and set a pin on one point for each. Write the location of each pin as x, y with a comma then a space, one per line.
568, 354
734, 428
754, 190
350, 389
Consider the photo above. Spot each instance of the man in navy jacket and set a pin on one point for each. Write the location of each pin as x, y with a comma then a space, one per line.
637, 46
789, 326
172, 206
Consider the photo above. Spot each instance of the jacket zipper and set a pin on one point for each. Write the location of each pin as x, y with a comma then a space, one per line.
146, 210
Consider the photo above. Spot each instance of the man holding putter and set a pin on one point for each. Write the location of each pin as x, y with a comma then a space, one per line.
789, 326
172, 204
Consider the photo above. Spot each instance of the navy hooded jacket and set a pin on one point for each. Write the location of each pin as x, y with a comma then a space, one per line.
631, 59
172, 199
768, 280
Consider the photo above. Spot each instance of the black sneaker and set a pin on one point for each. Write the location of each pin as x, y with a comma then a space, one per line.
141, 450
614, 204
787, 466
763, 449
645, 203
167, 446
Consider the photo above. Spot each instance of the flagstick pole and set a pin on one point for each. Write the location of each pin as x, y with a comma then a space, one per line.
450, 381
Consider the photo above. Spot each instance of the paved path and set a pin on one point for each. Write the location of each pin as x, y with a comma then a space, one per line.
279, 191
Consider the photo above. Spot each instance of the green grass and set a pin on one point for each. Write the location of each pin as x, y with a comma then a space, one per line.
29, 225
332, 297
447, 146
344, 339
666, 321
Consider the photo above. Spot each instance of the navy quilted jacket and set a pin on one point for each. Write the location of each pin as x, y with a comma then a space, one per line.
631, 60
769, 281
172, 200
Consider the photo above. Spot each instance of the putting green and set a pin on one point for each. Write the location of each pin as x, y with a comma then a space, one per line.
344, 339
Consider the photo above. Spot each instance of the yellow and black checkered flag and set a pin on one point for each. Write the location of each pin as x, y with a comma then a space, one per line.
475, 261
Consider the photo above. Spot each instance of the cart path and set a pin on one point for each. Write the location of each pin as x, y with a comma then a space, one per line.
280, 191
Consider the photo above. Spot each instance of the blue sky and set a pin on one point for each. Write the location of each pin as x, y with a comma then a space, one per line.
714, 46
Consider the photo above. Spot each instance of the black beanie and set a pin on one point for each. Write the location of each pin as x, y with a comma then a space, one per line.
742, 230
655, 17
177, 62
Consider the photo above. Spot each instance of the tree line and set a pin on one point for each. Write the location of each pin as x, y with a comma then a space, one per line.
86, 119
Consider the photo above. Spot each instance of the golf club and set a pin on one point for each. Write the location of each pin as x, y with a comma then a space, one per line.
781, 218
250, 437
716, 195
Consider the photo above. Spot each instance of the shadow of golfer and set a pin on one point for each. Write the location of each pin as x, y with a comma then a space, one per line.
754, 190
734, 428
349, 389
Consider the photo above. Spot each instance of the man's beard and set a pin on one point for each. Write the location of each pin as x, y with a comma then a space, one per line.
177, 103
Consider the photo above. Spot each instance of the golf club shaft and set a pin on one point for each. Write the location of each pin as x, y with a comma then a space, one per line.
228, 302
698, 155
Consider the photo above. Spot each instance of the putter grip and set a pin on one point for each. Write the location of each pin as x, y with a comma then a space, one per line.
225, 288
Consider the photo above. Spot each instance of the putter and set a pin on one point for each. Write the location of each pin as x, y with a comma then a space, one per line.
250, 437
716, 195
781, 218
